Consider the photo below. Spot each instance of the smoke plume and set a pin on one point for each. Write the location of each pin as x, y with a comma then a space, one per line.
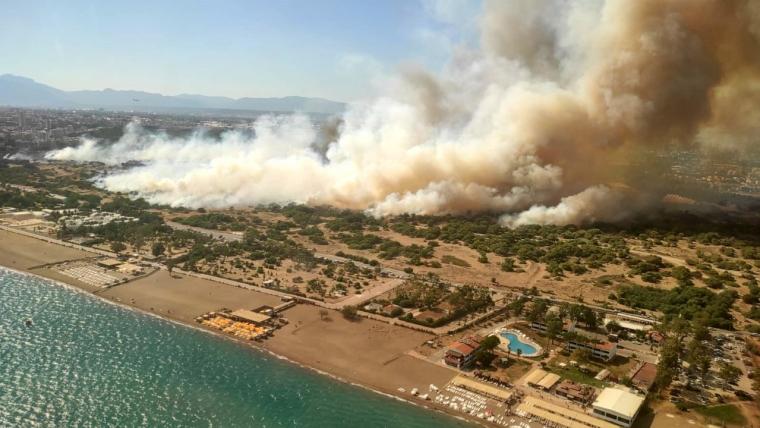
528, 126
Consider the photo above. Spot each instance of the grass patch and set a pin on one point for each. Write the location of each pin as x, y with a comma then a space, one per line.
727, 413
608, 280
454, 261
516, 369
576, 375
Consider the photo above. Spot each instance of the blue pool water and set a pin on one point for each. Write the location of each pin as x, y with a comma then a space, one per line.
515, 344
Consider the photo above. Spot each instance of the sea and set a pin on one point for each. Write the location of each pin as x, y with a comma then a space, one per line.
85, 362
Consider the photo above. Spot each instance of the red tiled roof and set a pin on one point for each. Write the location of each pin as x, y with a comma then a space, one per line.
656, 336
462, 348
605, 346
645, 375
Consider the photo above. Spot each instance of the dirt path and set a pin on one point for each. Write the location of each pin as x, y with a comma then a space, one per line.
670, 259
535, 272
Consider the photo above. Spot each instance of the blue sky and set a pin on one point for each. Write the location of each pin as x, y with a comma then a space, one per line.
327, 48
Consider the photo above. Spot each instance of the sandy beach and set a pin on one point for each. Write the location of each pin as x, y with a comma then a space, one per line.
365, 352
21, 253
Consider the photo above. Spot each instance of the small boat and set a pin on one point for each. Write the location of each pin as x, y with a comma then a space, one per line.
28, 322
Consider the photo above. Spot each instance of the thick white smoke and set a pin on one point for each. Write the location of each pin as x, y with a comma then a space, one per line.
526, 126
594, 203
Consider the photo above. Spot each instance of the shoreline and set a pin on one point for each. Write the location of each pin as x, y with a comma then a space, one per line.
248, 345
264, 347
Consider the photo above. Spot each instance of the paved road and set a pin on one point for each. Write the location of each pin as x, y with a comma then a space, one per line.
355, 300
385, 270
360, 299
225, 236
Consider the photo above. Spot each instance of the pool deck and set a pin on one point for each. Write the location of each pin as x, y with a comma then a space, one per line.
522, 337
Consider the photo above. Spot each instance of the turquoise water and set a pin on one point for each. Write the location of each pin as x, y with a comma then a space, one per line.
515, 344
88, 363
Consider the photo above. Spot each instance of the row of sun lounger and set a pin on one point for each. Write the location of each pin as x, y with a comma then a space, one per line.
90, 275
239, 329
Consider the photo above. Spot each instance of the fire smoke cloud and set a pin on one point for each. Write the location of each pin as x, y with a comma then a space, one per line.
526, 126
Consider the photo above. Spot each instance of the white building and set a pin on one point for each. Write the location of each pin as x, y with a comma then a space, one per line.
639, 319
604, 351
95, 219
618, 406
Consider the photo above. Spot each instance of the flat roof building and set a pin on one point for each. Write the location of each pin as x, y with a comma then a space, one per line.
548, 381
602, 351
636, 318
535, 377
109, 263
558, 415
618, 406
602, 375
250, 316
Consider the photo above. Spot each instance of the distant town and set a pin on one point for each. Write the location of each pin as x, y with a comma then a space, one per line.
37, 131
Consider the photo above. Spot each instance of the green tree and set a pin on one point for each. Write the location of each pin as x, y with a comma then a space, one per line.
590, 318
537, 311
553, 327
170, 264
729, 373
485, 358
117, 246
508, 265
667, 368
613, 326
698, 357
490, 342
350, 312
158, 249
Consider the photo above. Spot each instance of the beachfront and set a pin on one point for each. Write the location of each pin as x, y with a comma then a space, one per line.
367, 353
370, 353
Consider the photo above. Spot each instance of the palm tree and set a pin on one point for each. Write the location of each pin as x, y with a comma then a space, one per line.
519, 352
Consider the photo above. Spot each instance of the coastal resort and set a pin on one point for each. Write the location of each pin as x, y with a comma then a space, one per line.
517, 343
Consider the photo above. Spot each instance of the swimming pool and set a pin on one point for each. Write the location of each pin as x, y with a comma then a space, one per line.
515, 343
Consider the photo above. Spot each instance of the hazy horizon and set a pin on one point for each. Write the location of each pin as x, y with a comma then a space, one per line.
334, 50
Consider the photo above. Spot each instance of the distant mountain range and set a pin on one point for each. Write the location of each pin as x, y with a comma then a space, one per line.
20, 91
